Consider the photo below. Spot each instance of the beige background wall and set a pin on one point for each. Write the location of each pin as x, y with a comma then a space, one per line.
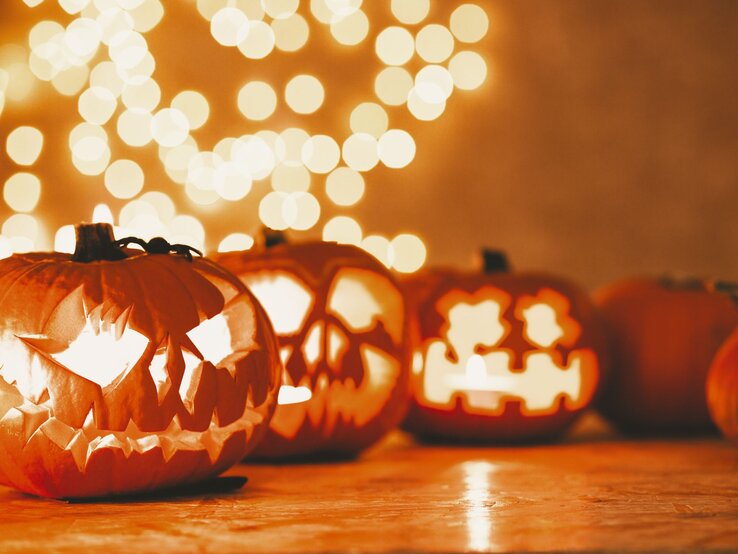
605, 142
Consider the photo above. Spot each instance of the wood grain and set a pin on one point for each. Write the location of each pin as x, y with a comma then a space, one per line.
592, 493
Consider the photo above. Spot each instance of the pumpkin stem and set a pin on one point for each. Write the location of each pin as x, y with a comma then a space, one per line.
724, 287
96, 242
494, 261
671, 281
271, 237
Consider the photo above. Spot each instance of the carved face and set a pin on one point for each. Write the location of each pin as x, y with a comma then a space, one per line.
339, 318
129, 375
489, 351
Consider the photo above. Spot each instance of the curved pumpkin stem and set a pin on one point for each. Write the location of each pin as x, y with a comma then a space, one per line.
725, 287
95, 242
268, 238
494, 261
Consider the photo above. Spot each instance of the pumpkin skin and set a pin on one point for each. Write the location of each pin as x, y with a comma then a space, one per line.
126, 376
478, 371
664, 336
339, 317
722, 388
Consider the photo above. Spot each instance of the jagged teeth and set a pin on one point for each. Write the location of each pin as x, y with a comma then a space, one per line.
83, 442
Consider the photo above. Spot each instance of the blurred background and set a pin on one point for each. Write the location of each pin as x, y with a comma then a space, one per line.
596, 139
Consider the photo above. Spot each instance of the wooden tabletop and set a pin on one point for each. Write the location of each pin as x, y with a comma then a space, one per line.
592, 493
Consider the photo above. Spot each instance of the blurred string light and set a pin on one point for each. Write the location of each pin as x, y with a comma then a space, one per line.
102, 58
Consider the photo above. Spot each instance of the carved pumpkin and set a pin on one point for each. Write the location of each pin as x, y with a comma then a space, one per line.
339, 317
123, 371
499, 355
664, 335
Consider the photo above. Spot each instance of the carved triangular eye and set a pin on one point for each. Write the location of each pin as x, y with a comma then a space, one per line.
361, 298
91, 343
285, 298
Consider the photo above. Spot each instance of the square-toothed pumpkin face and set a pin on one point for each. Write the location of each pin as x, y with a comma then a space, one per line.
491, 347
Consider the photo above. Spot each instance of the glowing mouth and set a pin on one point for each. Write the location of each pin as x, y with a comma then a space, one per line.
293, 395
487, 380
324, 402
82, 443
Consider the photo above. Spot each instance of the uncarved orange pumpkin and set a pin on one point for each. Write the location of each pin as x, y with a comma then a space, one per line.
499, 355
339, 316
722, 388
664, 335
127, 371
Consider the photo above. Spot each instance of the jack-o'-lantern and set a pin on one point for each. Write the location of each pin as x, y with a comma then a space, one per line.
664, 333
124, 371
499, 356
722, 380
339, 317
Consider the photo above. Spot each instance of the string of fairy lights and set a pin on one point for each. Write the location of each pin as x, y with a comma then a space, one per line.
101, 57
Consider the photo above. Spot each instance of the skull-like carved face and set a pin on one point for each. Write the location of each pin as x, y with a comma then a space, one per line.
130, 375
340, 322
489, 350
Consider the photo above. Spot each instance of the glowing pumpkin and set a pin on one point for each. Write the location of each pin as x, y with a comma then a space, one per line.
664, 335
339, 317
499, 355
123, 371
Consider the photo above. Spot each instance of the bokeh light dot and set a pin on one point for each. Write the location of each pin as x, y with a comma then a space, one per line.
229, 26
394, 46
147, 15
434, 43
97, 105
369, 117
468, 70
134, 127
290, 178
343, 230
124, 179
194, 106
320, 154
396, 148
143, 96
236, 242
257, 100
359, 151
105, 75
307, 211
408, 253
410, 11
422, 110
379, 247
270, 210
280, 9
469, 23
169, 127
304, 94
290, 34
392, 85
70, 81
24, 145
259, 42
231, 182
22, 192
344, 186
434, 84
352, 29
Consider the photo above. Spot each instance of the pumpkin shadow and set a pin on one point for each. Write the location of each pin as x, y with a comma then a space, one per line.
324, 458
212, 487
